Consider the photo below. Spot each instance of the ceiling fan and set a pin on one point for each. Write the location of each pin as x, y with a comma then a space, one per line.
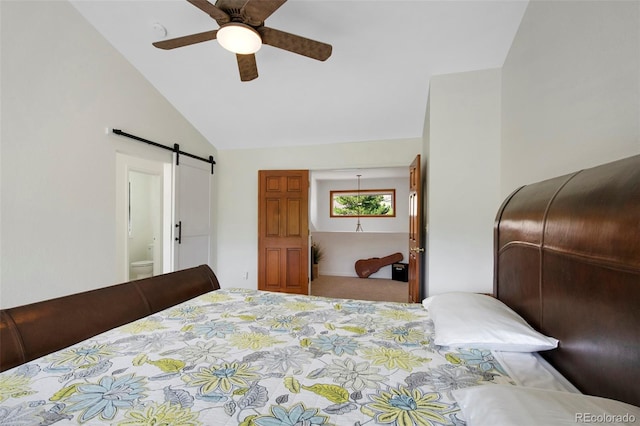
242, 31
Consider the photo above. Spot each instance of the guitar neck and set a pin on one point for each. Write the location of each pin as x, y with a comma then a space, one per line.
392, 258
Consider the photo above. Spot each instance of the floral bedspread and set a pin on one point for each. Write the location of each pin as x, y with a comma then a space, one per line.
251, 358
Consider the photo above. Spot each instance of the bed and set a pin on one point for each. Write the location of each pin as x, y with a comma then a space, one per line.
178, 349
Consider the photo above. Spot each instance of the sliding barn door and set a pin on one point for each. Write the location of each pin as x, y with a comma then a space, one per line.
192, 227
283, 231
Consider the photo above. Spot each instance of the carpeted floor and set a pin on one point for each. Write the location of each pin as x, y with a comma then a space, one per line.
360, 288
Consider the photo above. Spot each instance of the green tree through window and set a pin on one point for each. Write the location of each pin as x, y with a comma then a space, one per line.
368, 203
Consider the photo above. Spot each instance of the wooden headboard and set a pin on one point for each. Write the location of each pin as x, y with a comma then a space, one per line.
31, 331
567, 258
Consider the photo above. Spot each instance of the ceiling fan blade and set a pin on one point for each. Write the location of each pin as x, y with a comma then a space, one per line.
256, 11
294, 43
247, 67
219, 15
186, 40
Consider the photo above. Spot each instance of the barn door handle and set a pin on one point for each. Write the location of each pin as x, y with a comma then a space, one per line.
179, 237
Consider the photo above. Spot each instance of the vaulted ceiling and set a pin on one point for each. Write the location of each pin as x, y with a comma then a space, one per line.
373, 87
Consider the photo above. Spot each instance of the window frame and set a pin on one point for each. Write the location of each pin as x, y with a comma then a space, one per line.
354, 192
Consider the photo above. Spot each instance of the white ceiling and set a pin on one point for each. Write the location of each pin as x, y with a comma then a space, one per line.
373, 87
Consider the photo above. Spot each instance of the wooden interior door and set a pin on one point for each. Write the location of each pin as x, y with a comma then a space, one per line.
415, 232
283, 231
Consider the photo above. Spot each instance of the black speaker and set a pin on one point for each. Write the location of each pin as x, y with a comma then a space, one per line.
400, 272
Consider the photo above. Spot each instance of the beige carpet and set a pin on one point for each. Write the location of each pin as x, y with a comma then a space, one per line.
360, 288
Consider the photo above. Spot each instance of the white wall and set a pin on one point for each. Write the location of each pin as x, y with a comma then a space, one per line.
342, 250
62, 85
237, 233
463, 180
570, 89
567, 97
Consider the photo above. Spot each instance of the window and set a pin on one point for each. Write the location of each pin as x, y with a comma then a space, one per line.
368, 202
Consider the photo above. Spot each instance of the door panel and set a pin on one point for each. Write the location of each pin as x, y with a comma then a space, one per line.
283, 230
294, 209
272, 271
192, 213
415, 232
272, 218
294, 264
194, 251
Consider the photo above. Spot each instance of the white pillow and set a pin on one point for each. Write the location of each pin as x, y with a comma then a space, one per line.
472, 320
493, 405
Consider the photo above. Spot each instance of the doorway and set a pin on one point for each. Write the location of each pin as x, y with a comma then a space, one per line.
143, 213
337, 237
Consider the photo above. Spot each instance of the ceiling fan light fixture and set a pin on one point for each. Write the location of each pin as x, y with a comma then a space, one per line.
239, 38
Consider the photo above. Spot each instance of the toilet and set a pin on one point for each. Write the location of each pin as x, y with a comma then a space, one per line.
143, 268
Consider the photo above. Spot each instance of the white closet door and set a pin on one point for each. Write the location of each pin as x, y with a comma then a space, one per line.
192, 227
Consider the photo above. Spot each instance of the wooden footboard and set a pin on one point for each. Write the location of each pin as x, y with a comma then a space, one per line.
31, 331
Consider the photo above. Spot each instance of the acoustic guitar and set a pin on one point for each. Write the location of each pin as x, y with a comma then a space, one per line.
366, 267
